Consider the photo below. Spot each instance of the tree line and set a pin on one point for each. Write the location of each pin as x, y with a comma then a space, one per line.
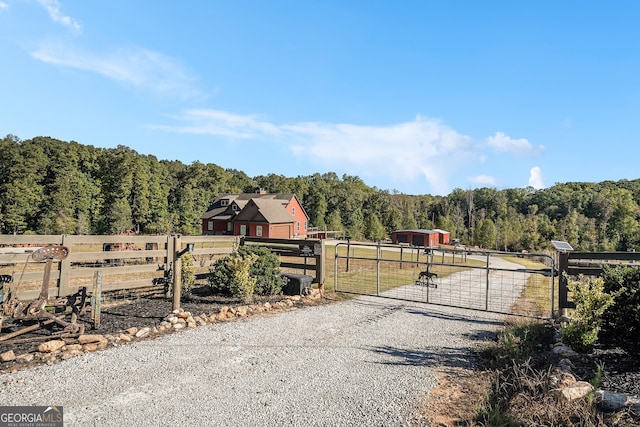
48, 186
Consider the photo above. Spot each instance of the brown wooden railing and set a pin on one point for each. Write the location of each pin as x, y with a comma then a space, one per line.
134, 262
126, 262
573, 264
305, 256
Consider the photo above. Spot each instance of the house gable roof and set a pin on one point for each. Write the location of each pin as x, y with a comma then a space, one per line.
254, 207
212, 212
217, 209
240, 203
265, 210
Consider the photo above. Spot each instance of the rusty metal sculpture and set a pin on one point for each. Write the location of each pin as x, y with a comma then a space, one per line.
36, 309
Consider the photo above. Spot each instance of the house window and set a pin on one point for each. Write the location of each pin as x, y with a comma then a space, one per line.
306, 225
243, 230
298, 226
229, 227
293, 211
224, 202
258, 230
210, 225
234, 207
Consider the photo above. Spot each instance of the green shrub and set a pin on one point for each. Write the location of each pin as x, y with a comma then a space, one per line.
227, 274
624, 315
516, 343
231, 275
188, 274
581, 335
265, 268
242, 284
586, 321
219, 279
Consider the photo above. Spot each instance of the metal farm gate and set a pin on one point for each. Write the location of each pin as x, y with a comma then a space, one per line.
501, 282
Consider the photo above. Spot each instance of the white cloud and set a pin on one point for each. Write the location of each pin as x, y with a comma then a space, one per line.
141, 68
522, 146
536, 180
3, 5
222, 123
403, 152
407, 152
485, 180
53, 8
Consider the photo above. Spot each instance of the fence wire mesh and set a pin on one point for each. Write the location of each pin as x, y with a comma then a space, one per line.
518, 284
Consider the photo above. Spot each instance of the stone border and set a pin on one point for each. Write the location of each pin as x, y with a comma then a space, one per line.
568, 388
56, 350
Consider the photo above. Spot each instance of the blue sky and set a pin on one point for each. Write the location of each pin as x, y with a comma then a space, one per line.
417, 96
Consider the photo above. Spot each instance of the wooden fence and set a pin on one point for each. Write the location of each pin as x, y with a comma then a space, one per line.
135, 262
573, 264
306, 256
126, 262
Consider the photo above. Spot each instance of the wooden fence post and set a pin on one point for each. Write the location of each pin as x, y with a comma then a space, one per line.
563, 291
177, 271
96, 296
320, 273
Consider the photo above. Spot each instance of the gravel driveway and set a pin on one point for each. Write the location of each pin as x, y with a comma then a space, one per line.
366, 361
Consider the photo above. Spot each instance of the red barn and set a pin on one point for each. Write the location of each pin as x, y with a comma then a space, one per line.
443, 236
418, 237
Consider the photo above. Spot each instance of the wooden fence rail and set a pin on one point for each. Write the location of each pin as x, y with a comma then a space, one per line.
299, 255
134, 262
573, 264
125, 262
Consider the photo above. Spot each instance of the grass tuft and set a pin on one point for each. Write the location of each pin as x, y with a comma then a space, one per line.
524, 377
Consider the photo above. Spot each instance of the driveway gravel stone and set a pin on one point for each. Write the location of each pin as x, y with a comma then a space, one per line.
366, 361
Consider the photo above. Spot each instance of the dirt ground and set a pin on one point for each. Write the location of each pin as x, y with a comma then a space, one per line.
455, 401
460, 391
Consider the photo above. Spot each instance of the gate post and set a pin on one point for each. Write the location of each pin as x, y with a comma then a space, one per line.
553, 288
348, 253
335, 268
378, 256
320, 273
563, 258
486, 302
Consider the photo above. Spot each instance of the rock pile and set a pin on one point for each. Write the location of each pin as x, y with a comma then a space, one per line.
568, 388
